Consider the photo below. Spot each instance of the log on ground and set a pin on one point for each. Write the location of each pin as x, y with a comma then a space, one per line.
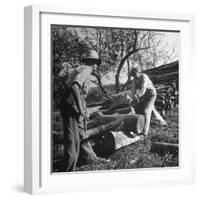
163, 148
120, 122
124, 110
113, 141
104, 128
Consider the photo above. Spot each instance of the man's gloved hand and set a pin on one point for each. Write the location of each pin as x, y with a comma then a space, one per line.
135, 100
87, 115
129, 99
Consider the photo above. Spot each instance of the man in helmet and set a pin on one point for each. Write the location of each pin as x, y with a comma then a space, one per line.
74, 113
143, 95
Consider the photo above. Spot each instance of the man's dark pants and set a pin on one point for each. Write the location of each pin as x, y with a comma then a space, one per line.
71, 139
71, 143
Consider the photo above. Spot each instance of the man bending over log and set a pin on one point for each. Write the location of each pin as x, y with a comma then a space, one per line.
143, 95
73, 112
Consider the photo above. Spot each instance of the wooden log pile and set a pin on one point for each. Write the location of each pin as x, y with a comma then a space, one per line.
120, 122
165, 79
167, 98
111, 132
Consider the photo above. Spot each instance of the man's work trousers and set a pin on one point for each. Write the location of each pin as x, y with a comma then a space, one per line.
87, 153
145, 108
71, 144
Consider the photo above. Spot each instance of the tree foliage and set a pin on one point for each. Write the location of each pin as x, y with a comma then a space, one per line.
119, 50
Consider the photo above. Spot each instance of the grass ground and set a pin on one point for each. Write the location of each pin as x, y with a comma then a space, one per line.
138, 155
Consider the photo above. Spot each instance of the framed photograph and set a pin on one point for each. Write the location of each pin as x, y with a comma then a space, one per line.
107, 101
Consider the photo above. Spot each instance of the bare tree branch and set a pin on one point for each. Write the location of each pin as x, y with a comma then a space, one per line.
100, 84
133, 51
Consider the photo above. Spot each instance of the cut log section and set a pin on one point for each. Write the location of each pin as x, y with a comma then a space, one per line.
133, 123
122, 139
120, 122
101, 119
104, 128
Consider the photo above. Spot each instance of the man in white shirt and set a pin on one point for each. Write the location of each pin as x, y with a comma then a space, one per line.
143, 95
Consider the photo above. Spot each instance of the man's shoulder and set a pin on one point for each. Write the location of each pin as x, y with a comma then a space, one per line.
83, 72
144, 75
81, 68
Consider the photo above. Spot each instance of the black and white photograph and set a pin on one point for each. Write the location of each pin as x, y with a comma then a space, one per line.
114, 98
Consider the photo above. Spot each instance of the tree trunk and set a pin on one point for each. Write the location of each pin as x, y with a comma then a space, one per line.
128, 74
121, 64
134, 50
